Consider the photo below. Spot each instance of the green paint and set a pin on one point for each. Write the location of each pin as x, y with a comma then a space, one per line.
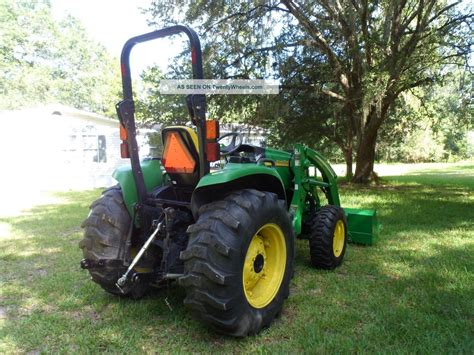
281, 158
291, 170
233, 171
303, 159
152, 173
363, 226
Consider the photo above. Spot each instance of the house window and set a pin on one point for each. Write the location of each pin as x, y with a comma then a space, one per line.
94, 145
69, 143
101, 149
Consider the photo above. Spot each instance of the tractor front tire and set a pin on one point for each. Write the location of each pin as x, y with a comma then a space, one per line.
239, 262
105, 238
328, 237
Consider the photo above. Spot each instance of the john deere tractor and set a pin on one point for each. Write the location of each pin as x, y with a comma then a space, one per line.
226, 236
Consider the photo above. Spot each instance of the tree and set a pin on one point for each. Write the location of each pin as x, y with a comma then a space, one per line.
430, 123
44, 60
368, 54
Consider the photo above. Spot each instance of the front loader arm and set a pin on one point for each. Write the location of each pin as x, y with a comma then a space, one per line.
303, 159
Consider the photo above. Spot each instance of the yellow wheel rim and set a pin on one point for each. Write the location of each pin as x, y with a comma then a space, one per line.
264, 265
338, 239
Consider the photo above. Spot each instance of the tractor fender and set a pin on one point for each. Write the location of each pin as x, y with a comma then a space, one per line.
216, 185
152, 173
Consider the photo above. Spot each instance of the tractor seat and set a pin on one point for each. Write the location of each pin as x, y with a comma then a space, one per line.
181, 154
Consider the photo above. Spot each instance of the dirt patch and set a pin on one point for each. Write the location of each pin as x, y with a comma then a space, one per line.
85, 313
70, 232
342, 274
315, 291
41, 272
3, 312
48, 309
294, 290
287, 314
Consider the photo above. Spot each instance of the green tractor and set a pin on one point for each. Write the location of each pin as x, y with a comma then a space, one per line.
226, 236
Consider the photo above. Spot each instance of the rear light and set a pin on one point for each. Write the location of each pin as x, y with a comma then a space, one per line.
124, 152
212, 129
212, 147
176, 156
212, 151
123, 133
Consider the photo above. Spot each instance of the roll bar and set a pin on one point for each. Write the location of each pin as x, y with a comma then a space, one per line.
126, 107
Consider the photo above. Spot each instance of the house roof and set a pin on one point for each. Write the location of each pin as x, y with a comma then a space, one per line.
60, 110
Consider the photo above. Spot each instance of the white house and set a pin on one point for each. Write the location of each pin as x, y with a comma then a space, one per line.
56, 147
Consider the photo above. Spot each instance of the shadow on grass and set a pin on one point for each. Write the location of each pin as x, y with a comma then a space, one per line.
413, 287
422, 300
410, 288
404, 209
45, 294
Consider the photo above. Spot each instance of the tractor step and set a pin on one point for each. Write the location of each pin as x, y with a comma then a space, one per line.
363, 225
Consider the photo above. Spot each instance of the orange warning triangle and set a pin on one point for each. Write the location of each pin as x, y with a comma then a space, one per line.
176, 156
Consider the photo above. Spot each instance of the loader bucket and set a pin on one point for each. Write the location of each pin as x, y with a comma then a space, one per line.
363, 226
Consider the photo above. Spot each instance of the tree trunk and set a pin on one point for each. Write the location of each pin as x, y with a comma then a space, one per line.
349, 161
367, 140
366, 150
365, 160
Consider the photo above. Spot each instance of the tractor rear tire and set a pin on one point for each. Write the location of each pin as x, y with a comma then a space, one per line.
328, 237
105, 238
239, 262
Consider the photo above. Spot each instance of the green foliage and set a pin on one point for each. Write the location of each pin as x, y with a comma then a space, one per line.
44, 60
342, 65
155, 142
422, 146
153, 108
431, 123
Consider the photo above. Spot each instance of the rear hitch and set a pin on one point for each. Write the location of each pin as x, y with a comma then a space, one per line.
122, 281
92, 264
170, 276
96, 264
164, 226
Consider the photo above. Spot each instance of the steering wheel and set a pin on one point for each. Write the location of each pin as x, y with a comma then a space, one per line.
232, 146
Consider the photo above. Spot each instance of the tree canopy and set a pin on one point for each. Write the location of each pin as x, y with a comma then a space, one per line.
45, 60
343, 64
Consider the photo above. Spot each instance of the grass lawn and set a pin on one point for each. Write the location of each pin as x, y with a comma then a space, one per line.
411, 292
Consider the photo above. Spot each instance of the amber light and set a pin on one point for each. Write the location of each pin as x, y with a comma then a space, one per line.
124, 152
212, 129
123, 133
176, 156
